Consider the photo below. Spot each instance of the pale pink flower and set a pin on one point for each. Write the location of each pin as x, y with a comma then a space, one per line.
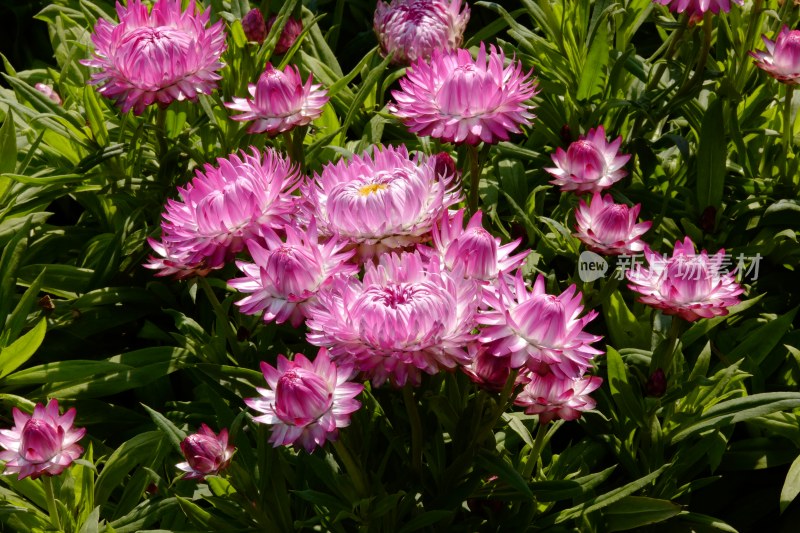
287, 275
383, 201
480, 253
255, 29
551, 396
162, 56
590, 164
206, 453
48, 92
781, 59
689, 285
404, 318
280, 101
537, 329
42, 443
291, 31
222, 207
413, 29
696, 8
609, 228
306, 402
458, 99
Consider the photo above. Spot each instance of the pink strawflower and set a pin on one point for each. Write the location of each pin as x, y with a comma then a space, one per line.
696, 8
609, 228
287, 275
280, 101
48, 92
381, 201
413, 29
480, 253
307, 402
162, 56
687, 284
404, 318
590, 164
255, 29
206, 453
291, 31
781, 59
537, 329
222, 207
42, 443
550, 396
488, 371
458, 99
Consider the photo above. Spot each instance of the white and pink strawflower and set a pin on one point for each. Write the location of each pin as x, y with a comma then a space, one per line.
286, 275
383, 200
42, 443
686, 284
609, 228
538, 330
406, 317
781, 59
551, 396
222, 207
488, 371
413, 29
696, 8
206, 453
458, 99
307, 402
165, 55
480, 253
279, 101
590, 164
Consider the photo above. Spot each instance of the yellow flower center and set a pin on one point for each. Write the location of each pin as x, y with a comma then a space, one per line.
366, 190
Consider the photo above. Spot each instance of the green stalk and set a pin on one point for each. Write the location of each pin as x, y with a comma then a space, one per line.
788, 133
229, 333
416, 428
536, 451
161, 131
352, 468
503, 402
475, 176
50, 497
674, 334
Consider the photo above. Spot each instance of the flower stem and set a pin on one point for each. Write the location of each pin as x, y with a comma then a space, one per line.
222, 316
161, 131
351, 467
664, 362
52, 508
536, 451
475, 176
788, 133
294, 144
503, 402
416, 428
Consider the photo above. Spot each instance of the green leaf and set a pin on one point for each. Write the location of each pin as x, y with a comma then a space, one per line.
129, 455
791, 485
424, 520
8, 145
201, 517
497, 466
173, 433
707, 521
736, 410
591, 79
702, 327
623, 327
16, 322
760, 342
636, 511
711, 157
94, 114
19, 351
9, 263
621, 392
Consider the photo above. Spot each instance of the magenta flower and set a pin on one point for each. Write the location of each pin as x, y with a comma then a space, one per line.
488, 371
413, 29
255, 29
287, 275
476, 250
458, 99
686, 284
781, 59
385, 201
291, 31
206, 453
42, 443
609, 228
404, 318
550, 396
696, 8
537, 329
159, 57
280, 101
590, 164
221, 208
306, 402
48, 92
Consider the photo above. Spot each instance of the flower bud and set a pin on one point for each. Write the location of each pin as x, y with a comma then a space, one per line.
255, 29
656, 384
206, 453
291, 31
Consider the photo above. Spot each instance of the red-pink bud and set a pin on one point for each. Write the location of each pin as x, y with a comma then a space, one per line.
254, 27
